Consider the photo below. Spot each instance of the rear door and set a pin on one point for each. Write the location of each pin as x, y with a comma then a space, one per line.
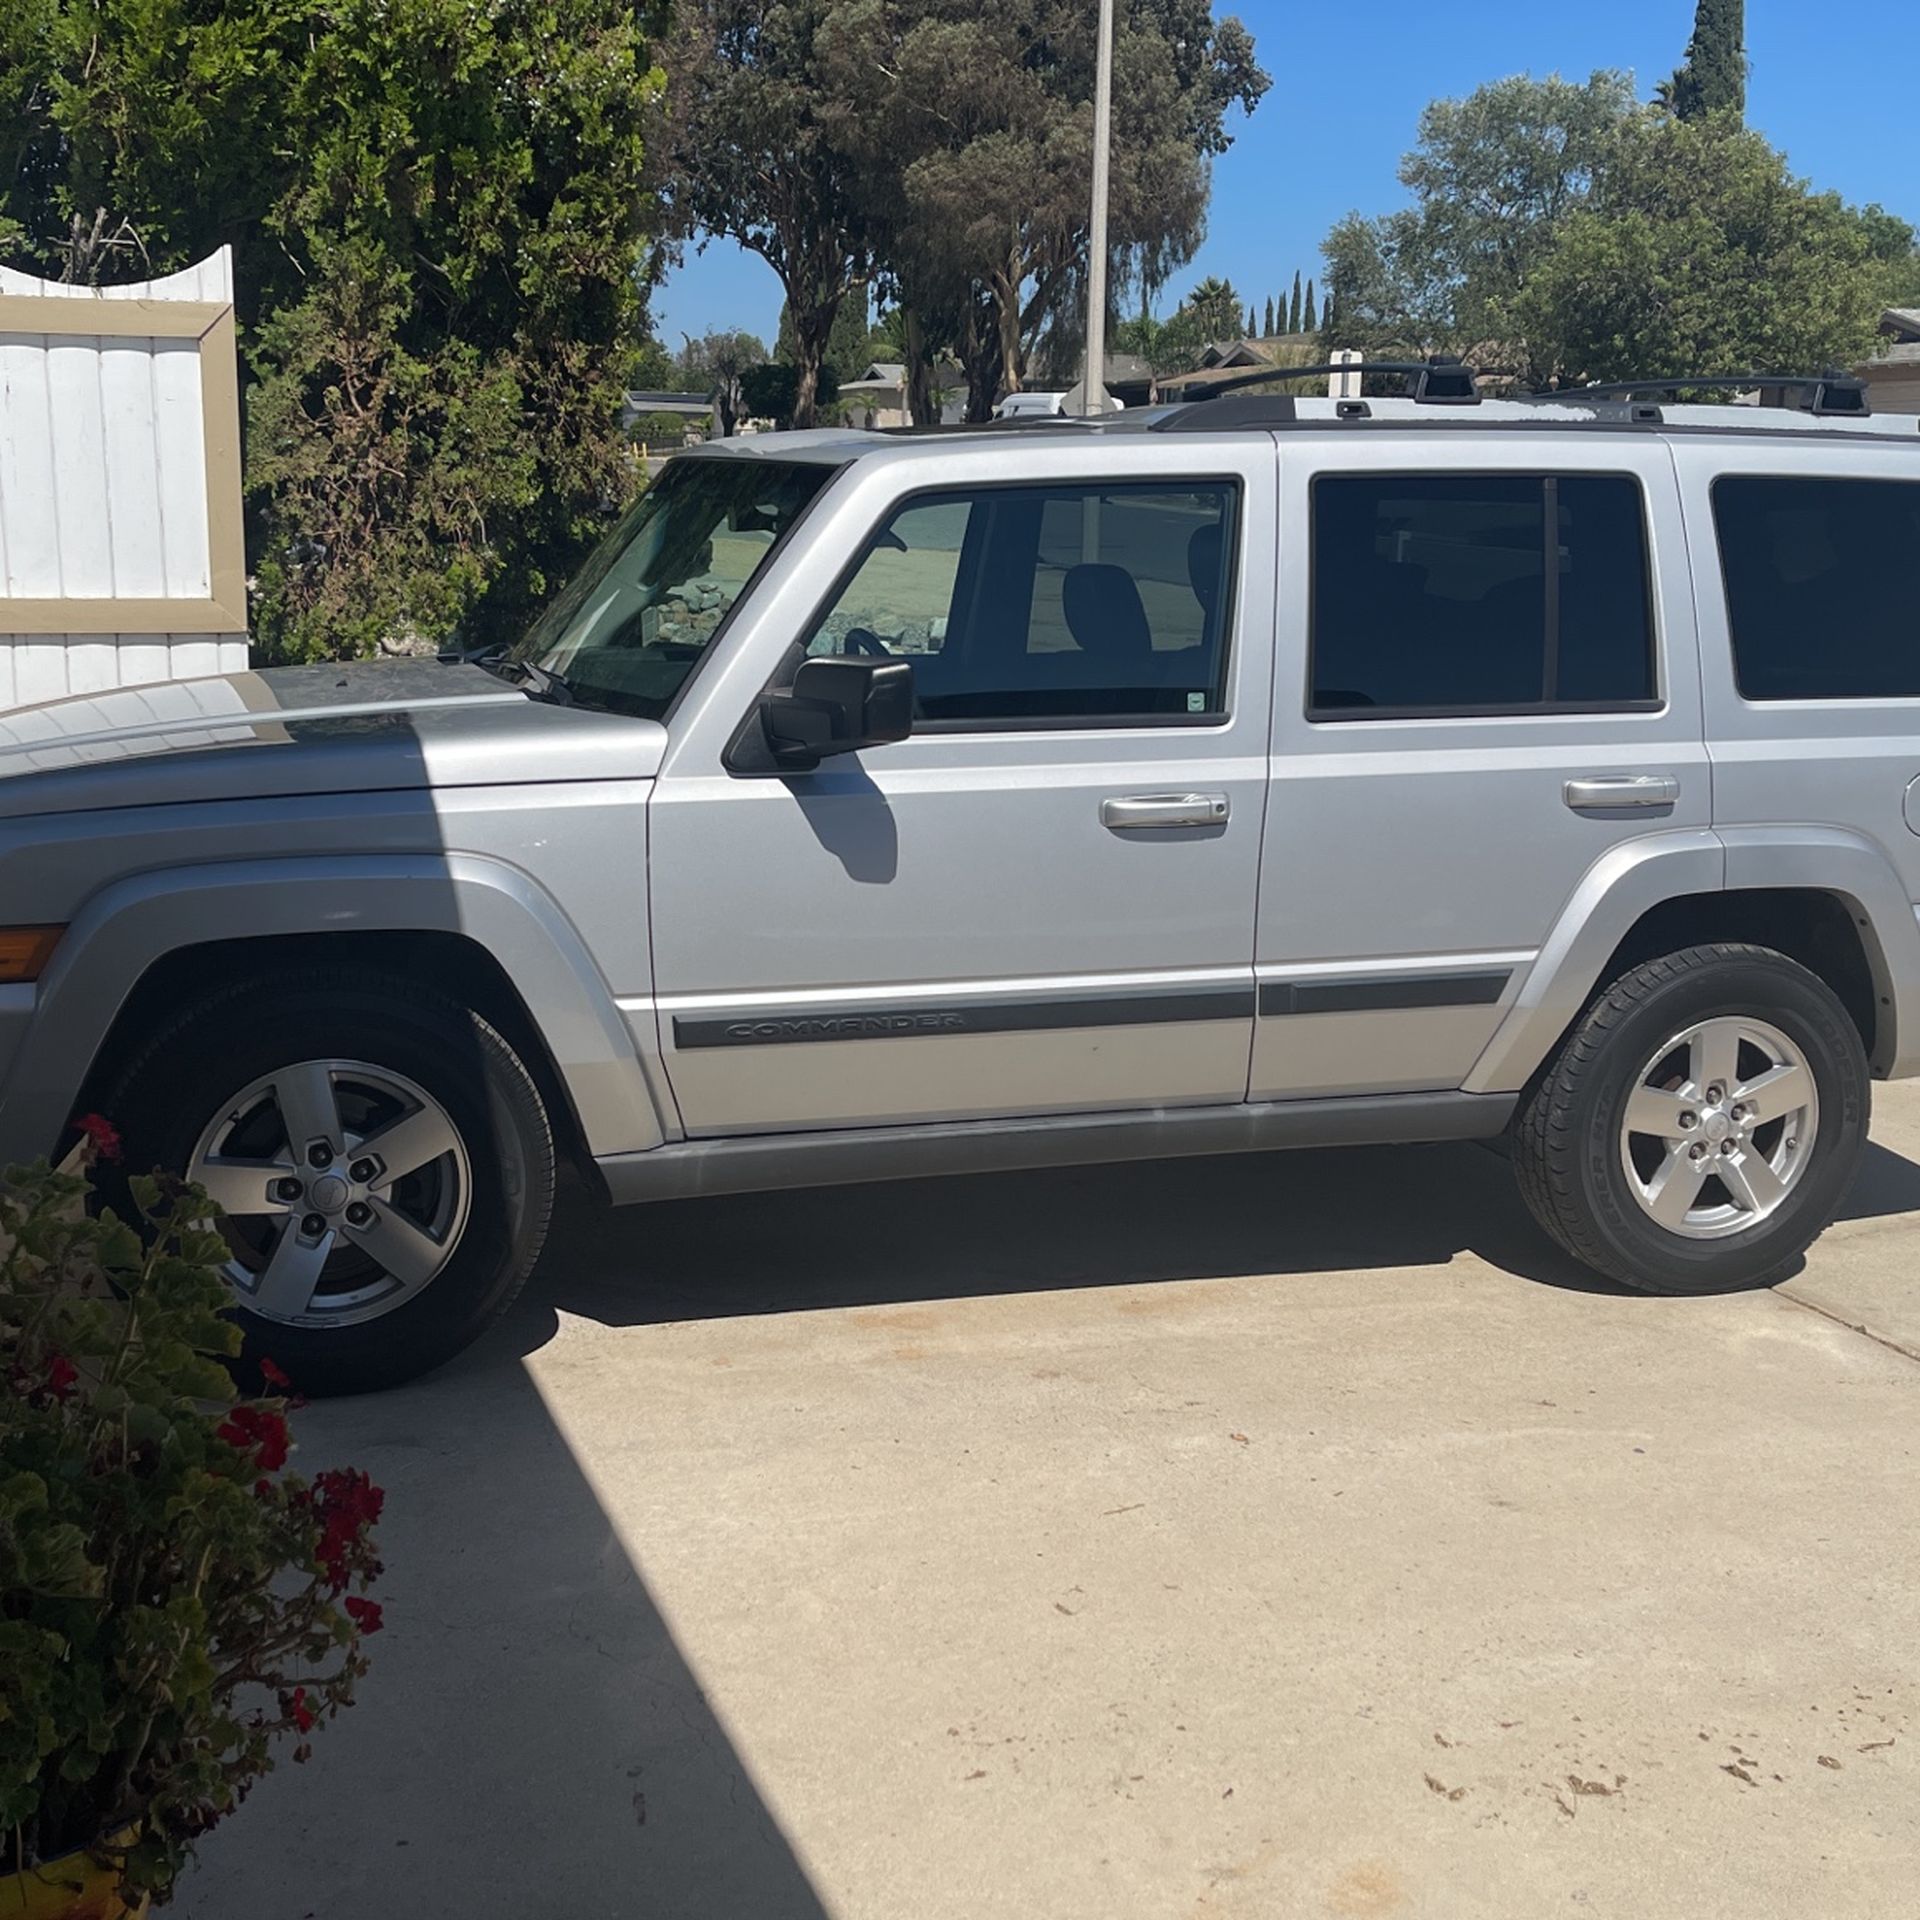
1486, 682
1041, 902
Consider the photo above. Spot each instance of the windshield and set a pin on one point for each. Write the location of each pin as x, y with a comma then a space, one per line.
632, 624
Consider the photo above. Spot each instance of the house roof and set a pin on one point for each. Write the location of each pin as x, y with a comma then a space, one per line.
1902, 322
1234, 353
660, 400
893, 373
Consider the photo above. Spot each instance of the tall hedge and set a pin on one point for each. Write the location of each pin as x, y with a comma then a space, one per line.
436, 210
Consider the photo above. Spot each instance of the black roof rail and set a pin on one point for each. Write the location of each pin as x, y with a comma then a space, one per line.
1440, 380
1827, 394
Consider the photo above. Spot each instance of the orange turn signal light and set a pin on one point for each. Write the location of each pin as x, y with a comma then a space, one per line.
25, 951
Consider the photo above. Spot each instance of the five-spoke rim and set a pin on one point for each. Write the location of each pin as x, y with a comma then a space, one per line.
1719, 1127
345, 1186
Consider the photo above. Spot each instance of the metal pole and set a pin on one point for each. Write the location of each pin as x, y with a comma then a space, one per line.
1093, 385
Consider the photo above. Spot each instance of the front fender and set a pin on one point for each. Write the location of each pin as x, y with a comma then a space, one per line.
127, 926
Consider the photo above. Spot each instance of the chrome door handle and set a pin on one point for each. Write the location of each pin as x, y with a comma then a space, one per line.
1603, 792
1128, 811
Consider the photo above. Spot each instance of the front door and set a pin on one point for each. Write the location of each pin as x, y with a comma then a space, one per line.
1041, 902
1487, 683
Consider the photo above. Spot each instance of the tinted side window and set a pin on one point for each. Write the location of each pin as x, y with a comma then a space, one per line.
1823, 586
1436, 593
1049, 603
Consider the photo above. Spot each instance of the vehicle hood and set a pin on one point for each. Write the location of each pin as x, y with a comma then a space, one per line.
372, 726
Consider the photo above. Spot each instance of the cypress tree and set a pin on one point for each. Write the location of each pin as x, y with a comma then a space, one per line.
1253, 328
1713, 77
1268, 334
1310, 324
1293, 312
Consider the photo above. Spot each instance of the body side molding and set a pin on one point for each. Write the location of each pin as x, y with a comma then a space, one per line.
856, 1155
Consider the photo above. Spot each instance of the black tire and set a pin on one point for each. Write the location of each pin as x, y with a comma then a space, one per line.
176, 1085
1566, 1139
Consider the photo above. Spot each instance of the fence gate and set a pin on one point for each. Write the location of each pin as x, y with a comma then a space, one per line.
121, 558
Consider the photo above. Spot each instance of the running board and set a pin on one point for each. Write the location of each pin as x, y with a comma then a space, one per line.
848, 1156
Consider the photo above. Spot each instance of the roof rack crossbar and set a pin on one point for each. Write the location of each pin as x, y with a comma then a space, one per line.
1829, 393
1440, 380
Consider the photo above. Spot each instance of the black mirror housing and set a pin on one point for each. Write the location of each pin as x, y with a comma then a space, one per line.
837, 705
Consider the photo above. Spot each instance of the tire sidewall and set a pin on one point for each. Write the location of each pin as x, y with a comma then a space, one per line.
1786, 996
177, 1090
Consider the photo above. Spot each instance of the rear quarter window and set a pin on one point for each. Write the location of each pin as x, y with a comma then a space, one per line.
1822, 580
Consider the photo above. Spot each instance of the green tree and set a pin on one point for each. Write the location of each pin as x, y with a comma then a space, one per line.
1266, 332
753, 154
1309, 320
970, 123
717, 363
851, 345
1293, 306
1713, 76
1492, 177
769, 391
435, 214
1214, 308
1698, 251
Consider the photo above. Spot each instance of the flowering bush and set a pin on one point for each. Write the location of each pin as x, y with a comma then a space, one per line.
171, 1599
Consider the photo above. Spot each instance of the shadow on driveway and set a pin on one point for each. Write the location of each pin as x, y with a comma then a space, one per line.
490, 1767
1301, 1212
530, 1741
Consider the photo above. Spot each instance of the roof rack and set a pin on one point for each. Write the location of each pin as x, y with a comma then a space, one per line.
1825, 394
1440, 380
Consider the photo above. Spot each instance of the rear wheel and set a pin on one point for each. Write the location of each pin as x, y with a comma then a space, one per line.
381, 1156
1701, 1124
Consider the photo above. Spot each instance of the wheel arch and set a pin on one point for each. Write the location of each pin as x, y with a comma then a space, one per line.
1828, 898
144, 942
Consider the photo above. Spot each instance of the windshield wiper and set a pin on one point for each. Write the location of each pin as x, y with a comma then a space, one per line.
542, 682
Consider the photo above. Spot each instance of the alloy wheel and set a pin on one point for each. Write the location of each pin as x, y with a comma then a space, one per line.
1719, 1127
345, 1187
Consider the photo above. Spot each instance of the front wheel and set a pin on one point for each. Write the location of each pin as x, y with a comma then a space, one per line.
1699, 1127
380, 1153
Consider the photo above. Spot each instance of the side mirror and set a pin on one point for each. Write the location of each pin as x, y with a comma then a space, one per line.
837, 705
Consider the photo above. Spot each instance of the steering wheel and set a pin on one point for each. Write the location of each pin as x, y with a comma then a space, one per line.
865, 640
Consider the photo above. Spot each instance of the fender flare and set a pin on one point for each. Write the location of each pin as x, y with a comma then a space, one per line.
132, 923
1630, 879
1858, 872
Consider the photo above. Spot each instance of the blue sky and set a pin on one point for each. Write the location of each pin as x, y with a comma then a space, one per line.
1832, 84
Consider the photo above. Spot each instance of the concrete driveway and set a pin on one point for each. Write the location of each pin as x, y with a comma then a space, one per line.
1261, 1537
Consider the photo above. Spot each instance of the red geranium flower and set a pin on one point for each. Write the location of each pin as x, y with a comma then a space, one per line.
260, 1431
294, 1705
365, 1614
347, 1503
60, 1376
273, 1376
103, 1133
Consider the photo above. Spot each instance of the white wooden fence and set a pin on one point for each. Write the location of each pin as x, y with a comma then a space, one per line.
121, 557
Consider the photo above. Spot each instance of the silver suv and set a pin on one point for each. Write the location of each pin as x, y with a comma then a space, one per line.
1249, 774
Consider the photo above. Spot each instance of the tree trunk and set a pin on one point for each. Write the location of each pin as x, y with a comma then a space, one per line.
980, 359
806, 383
812, 328
923, 404
1006, 316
